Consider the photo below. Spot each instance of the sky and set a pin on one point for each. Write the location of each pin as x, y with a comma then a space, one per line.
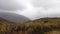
32, 9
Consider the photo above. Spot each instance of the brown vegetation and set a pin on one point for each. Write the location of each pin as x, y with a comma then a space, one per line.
34, 27
28, 28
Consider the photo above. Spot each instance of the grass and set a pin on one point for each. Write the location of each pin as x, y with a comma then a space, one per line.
29, 28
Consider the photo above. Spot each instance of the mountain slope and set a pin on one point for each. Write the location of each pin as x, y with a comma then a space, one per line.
13, 17
55, 19
5, 21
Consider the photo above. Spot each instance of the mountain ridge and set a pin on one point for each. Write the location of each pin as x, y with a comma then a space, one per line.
13, 17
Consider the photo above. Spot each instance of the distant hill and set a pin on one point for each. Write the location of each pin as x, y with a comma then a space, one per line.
13, 17
55, 19
5, 21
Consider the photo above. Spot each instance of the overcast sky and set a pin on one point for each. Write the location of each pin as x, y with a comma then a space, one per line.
32, 9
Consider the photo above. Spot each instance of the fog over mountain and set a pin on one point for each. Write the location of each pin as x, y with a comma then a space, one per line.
33, 9
13, 17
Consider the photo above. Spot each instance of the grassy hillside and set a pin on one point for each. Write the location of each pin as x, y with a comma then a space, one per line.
38, 26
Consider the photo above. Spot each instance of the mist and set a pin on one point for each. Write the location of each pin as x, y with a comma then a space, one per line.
32, 9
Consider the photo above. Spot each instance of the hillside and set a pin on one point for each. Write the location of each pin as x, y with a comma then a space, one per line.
48, 19
44, 25
2, 20
13, 17
39, 26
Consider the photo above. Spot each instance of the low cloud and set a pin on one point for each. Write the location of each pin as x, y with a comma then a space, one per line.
32, 9
42, 8
12, 5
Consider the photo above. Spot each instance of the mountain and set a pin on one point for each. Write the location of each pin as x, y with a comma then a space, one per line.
13, 17
5, 21
44, 20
